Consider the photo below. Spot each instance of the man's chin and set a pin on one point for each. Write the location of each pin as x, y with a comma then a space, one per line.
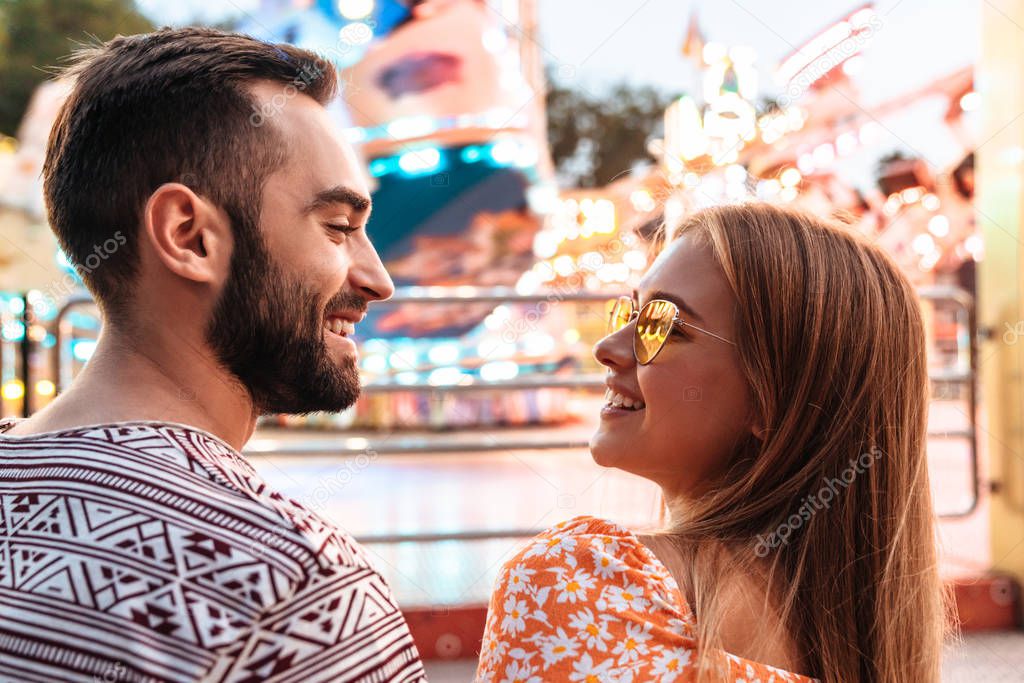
312, 399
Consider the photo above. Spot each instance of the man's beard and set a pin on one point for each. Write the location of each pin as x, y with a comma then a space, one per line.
268, 331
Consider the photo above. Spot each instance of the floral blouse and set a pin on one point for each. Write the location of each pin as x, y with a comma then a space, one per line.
587, 601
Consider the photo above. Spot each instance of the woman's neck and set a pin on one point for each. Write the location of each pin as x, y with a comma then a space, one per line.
750, 625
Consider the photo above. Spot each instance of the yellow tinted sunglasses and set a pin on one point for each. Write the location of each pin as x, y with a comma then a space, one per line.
654, 324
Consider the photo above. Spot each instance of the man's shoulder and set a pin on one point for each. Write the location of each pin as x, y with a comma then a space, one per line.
192, 476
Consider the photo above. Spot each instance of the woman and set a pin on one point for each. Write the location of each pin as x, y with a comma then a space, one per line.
770, 377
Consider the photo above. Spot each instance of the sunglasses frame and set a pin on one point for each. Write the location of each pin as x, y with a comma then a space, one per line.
634, 315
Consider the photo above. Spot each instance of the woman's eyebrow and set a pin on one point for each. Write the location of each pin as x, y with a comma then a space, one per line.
678, 301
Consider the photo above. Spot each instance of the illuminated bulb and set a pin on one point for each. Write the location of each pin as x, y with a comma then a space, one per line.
970, 101
911, 195
497, 371
806, 164
355, 9
635, 259
974, 246
445, 353
505, 151
13, 390
923, 244
642, 200
939, 226
824, 154
444, 376
870, 132
420, 160
564, 265
795, 118
356, 33
846, 143
735, 174
790, 177
930, 202
545, 244
375, 364
766, 189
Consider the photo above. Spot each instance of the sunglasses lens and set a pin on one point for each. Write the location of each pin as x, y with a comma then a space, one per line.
653, 326
619, 312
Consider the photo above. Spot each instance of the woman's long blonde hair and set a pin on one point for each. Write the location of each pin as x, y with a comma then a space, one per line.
831, 340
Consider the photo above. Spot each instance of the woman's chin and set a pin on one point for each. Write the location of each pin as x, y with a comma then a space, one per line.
606, 451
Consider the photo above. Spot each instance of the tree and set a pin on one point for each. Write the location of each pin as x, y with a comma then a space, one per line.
36, 36
594, 138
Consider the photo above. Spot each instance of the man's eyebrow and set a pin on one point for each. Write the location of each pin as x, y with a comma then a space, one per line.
338, 195
678, 301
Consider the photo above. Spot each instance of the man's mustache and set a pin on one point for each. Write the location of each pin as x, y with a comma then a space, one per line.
347, 300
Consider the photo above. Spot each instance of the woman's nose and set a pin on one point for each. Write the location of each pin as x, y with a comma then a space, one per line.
616, 350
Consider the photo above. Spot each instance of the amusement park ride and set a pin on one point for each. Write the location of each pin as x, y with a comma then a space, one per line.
470, 224
483, 245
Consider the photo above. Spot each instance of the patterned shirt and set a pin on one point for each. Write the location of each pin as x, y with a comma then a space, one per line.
588, 601
147, 551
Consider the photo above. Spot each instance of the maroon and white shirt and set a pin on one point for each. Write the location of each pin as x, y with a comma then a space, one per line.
147, 551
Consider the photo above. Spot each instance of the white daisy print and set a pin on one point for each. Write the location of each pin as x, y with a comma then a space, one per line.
634, 646
606, 566
521, 672
587, 671
572, 586
557, 647
515, 616
550, 547
671, 663
623, 599
592, 630
518, 578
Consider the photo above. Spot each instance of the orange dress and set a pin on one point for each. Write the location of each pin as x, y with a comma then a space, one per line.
587, 601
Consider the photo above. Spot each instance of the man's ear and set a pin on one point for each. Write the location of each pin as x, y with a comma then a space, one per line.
189, 235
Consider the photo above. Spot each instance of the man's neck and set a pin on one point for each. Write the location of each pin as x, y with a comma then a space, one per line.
152, 379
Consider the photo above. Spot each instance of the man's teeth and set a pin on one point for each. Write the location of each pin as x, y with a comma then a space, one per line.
620, 401
344, 328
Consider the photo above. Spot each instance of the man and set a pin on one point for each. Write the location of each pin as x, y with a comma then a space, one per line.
136, 543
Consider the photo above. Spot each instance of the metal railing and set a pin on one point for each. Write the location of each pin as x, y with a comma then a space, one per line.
349, 446
964, 376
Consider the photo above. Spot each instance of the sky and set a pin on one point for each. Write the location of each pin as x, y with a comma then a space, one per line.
640, 41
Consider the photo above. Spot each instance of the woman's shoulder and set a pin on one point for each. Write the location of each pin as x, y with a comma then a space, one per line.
587, 598
583, 525
586, 541
588, 559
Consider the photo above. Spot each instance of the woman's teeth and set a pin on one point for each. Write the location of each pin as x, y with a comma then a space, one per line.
340, 327
620, 401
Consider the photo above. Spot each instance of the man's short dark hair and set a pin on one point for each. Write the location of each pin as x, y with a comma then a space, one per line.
174, 105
